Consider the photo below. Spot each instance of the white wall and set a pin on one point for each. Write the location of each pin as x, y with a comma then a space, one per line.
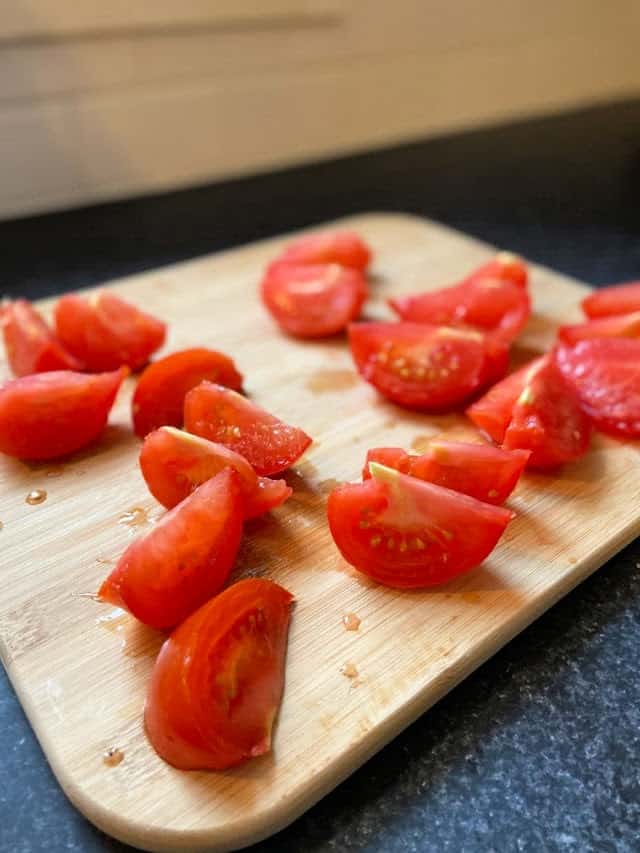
97, 102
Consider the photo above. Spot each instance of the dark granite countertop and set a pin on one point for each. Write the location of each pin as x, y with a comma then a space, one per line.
538, 750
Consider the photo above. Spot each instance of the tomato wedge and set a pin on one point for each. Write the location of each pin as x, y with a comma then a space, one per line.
420, 366
223, 416
185, 558
492, 298
617, 299
217, 683
52, 414
605, 374
616, 326
333, 247
487, 473
30, 344
313, 301
105, 332
404, 532
174, 463
536, 410
159, 396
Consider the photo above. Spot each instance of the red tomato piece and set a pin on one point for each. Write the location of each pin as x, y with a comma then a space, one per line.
223, 416
486, 473
420, 366
404, 532
217, 683
105, 332
616, 326
174, 463
487, 299
52, 414
313, 301
605, 374
334, 247
30, 344
185, 558
159, 396
617, 299
545, 415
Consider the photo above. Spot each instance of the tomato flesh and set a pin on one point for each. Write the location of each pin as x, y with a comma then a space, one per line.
159, 396
30, 344
617, 326
185, 558
333, 247
221, 415
313, 301
617, 299
426, 367
105, 332
407, 533
536, 410
174, 463
52, 414
486, 473
217, 683
487, 299
605, 374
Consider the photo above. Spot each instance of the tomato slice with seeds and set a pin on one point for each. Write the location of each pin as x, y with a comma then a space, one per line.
53, 414
313, 301
491, 298
544, 417
159, 396
605, 374
184, 559
407, 533
617, 326
617, 299
425, 367
217, 683
30, 344
331, 247
174, 463
105, 332
487, 473
223, 416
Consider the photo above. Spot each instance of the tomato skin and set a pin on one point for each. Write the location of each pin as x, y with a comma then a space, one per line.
435, 533
30, 344
605, 374
536, 410
52, 414
313, 300
419, 366
483, 472
616, 326
616, 299
174, 463
105, 332
184, 559
217, 683
332, 247
223, 416
499, 305
159, 396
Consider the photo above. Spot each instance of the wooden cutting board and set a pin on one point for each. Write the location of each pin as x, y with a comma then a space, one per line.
80, 668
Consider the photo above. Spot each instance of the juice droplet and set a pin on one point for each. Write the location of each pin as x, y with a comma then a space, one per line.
349, 670
104, 561
36, 496
114, 620
134, 517
113, 757
331, 380
351, 622
92, 595
54, 472
421, 443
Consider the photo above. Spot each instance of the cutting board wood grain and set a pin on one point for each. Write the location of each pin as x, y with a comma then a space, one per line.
81, 668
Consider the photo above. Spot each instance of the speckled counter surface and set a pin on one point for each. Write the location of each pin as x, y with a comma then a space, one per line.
539, 750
